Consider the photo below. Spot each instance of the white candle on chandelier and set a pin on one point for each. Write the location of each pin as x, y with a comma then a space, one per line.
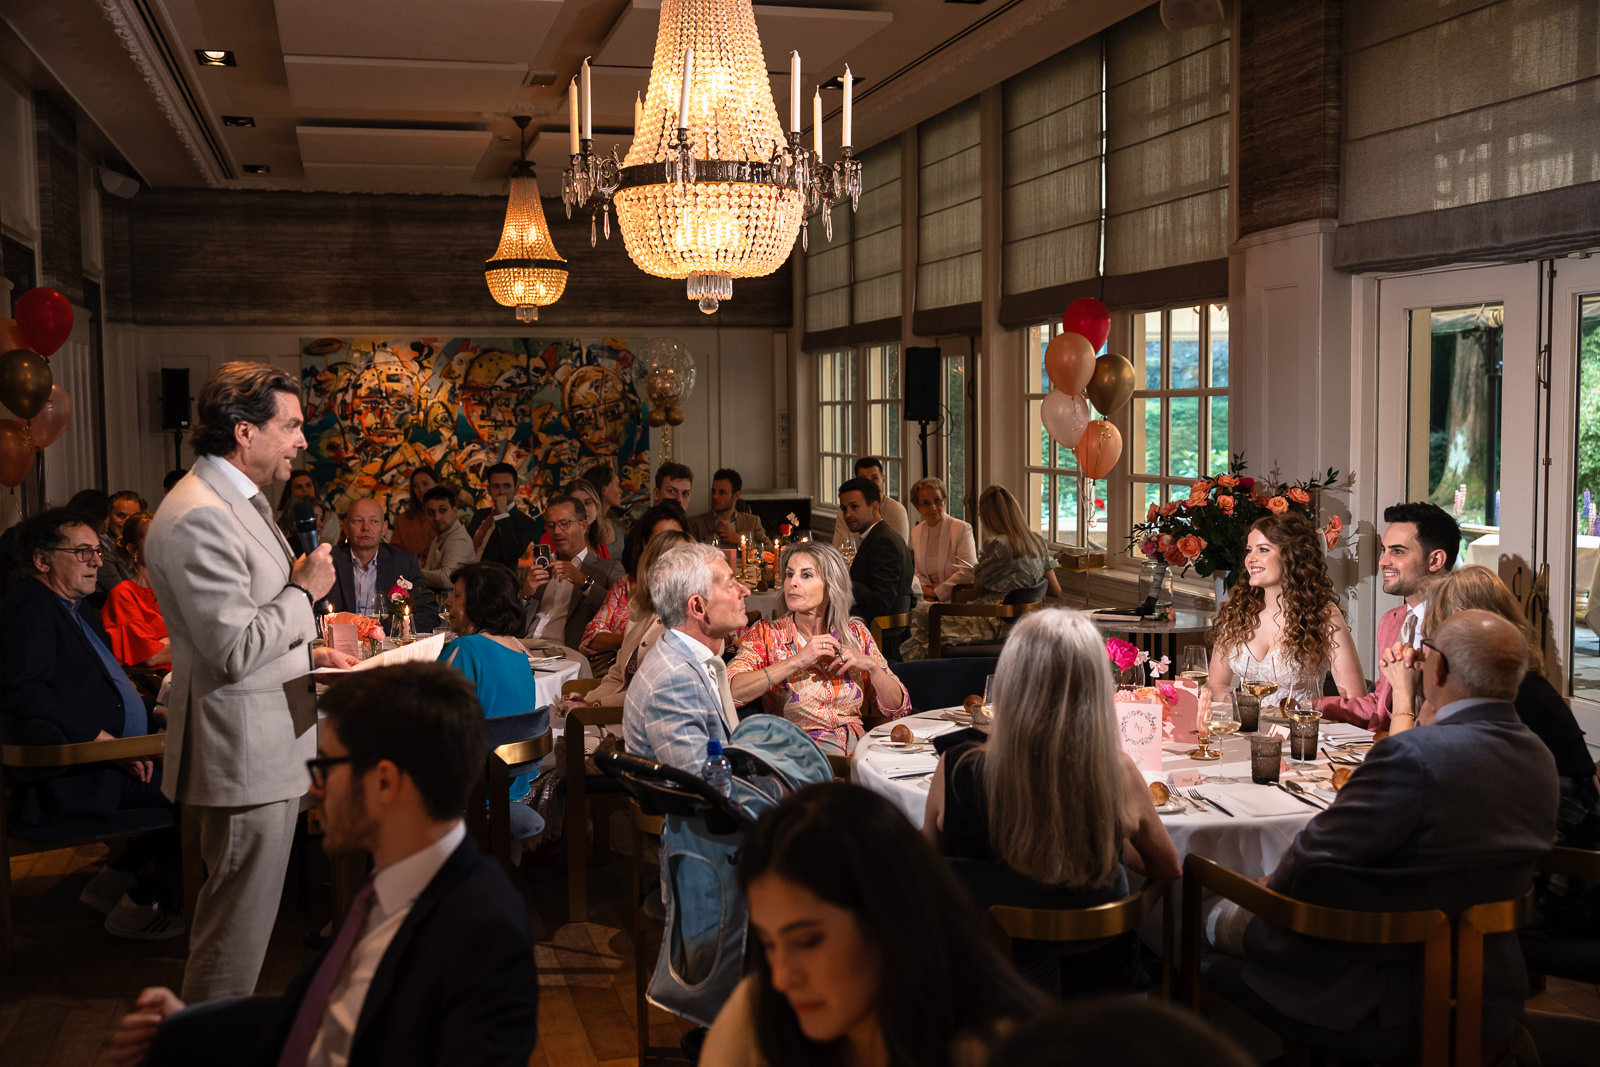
848, 79
794, 92
572, 115
638, 114
588, 104
683, 96
816, 122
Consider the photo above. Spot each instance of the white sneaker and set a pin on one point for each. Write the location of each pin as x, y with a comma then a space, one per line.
105, 889
144, 922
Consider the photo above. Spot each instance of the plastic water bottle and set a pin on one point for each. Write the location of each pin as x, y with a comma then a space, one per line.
717, 772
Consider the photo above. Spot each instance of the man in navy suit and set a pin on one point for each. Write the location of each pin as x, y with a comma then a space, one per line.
882, 570
1470, 793
433, 963
679, 699
365, 569
59, 683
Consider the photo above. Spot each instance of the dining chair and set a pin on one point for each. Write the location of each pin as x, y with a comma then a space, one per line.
514, 744
1005, 924
1576, 959
1450, 937
589, 797
644, 828
36, 749
1017, 603
943, 683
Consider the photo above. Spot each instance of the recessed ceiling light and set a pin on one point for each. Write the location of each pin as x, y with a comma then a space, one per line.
257, 168
238, 120
837, 82
214, 57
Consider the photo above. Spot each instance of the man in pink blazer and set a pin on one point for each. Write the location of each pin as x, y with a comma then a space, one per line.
1420, 544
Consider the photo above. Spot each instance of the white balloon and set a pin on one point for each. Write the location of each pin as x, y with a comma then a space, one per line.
1065, 416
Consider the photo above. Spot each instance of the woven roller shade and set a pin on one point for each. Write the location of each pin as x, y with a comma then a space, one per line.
828, 272
1050, 200
1167, 145
949, 234
876, 246
1470, 129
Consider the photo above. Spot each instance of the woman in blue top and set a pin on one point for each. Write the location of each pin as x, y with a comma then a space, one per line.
486, 611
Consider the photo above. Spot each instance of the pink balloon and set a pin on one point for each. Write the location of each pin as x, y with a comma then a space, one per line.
16, 452
1088, 316
1098, 449
1070, 362
51, 423
1065, 416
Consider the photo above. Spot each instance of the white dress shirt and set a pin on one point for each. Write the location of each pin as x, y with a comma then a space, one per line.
395, 889
556, 604
366, 584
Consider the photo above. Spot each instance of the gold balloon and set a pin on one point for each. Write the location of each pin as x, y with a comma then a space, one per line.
674, 416
657, 417
1111, 384
25, 382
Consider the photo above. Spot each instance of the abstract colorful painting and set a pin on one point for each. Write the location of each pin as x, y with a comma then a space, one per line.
377, 407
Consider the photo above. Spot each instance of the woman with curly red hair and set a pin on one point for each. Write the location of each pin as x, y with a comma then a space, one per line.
1283, 624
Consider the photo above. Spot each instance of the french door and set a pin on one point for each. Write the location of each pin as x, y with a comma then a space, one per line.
1488, 404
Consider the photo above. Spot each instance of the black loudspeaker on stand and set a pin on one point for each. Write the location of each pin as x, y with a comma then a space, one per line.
922, 393
175, 400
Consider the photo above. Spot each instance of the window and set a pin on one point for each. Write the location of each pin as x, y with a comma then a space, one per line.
955, 435
860, 414
1179, 416
1062, 505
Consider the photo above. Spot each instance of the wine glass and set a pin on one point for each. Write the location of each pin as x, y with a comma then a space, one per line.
1218, 722
1195, 666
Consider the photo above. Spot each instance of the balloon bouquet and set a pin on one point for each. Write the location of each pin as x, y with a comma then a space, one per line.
1079, 380
27, 389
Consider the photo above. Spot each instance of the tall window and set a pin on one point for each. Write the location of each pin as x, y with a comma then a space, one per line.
1179, 421
859, 414
1063, 505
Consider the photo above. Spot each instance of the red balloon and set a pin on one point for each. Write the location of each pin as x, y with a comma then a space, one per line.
51, 423
16, 452
45, 318
1085, 315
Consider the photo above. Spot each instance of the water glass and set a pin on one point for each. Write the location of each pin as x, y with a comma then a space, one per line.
1266, 757
1303, 731
1248, 708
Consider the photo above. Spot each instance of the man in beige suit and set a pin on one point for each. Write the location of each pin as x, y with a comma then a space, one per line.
242, 710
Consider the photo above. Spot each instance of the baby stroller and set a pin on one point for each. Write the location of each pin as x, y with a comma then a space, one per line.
702, 947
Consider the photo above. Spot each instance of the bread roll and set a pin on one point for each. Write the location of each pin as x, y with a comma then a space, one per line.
902, 734
1160, 793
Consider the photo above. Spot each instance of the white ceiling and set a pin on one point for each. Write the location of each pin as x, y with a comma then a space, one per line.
416, 95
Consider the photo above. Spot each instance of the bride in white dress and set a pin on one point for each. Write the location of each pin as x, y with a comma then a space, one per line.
1283, 624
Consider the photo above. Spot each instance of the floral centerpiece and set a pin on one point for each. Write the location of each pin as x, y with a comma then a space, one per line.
1207, 531
400, 607
1126, 657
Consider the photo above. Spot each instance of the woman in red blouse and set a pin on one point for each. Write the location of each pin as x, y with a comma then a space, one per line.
816, 666
131, 616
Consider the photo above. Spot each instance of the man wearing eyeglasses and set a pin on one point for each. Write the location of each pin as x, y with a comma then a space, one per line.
59, 683
239, 606
433, 962
561, 597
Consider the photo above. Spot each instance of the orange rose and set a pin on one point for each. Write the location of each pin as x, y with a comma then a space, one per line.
1175, 557
1227, 481
1170, 508
1335, 523
1277, 505
1225, 502
1191, 546
1151, 512
1299, 495
1165, 542
1198, 492
1332, 537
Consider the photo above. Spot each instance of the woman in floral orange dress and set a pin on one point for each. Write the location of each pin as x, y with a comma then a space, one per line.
816, 666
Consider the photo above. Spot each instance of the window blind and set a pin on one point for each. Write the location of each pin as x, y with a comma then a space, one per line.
949, 210
828, 272
876, 243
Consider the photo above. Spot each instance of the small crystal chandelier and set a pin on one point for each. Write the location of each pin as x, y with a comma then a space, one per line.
711, 189
526, 272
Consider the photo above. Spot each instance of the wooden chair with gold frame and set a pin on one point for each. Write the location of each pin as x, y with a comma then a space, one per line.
1575, 959
510, 748
939, 612
1006, 924
39, 760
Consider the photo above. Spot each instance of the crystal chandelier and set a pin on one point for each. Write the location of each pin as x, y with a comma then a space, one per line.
711, 189
526, 272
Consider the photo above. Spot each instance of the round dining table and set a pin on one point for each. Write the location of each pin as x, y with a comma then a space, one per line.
1244, 826
1157, 637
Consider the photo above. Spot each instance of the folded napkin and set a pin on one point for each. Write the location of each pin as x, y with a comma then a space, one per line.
1339, 733
1257, 801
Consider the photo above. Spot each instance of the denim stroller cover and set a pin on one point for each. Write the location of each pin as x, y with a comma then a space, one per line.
702, 956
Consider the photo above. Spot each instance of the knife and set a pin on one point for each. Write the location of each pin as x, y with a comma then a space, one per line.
1301, 796
1298, 790
1213, 802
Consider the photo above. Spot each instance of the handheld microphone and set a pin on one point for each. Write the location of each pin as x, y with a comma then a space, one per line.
305, 536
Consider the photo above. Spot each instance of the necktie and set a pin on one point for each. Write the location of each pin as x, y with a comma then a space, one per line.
308, 1020
1408, 628
259, 501
719, 671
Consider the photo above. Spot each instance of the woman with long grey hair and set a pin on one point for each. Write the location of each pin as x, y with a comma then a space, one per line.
816, 666
1047, 810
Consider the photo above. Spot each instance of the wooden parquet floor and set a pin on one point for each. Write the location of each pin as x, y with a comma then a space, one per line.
69, 981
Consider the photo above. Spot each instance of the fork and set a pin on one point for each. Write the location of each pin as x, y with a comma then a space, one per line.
1196, 799
1209, 803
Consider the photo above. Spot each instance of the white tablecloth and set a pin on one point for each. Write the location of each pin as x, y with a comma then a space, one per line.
768, 603
1485, 552
1250, 844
